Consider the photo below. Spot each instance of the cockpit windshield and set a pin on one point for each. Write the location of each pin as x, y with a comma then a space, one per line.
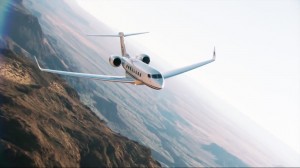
156, 76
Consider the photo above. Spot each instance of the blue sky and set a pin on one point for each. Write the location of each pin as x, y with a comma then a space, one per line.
258, 55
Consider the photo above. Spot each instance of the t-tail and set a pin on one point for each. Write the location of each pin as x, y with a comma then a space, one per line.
121, 35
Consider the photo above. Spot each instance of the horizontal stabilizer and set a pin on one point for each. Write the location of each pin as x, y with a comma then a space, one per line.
103, 35
132, 34
121, 34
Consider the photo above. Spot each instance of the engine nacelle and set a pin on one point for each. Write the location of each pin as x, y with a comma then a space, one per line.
115, 60
143, 57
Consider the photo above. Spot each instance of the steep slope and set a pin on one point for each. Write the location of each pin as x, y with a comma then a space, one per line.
67, 27
23, 33
180, 126
60, 45
43, 123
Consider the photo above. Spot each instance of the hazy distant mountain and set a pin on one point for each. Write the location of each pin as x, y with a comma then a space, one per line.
182, 127
42, 121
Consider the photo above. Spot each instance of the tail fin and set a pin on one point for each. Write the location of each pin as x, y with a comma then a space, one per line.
121, 35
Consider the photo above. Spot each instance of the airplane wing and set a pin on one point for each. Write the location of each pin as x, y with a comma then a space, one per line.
188, 68
122, 79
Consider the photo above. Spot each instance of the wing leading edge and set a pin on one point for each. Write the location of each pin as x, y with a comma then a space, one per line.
188, 68
122, 79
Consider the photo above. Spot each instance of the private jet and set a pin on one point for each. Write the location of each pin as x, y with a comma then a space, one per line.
137, 69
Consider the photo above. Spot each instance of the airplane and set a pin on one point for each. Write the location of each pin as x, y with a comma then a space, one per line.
137, 69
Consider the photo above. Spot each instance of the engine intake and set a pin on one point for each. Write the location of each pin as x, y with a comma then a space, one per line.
145, 58
115, 60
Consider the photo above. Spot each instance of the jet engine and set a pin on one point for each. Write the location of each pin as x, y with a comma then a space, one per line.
145, 58
115, 60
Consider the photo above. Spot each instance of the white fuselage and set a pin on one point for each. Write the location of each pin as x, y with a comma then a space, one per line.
143, 73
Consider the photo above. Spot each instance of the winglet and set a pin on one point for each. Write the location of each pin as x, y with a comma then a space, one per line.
37, 63
214, 56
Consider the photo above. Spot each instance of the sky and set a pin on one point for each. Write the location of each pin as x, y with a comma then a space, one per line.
257, 70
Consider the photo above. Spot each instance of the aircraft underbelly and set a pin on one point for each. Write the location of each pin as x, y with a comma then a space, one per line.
137, 82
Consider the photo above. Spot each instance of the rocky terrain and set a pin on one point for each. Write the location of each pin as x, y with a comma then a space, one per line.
182, 127
43, 123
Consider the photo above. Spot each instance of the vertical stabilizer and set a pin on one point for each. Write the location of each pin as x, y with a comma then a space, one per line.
123, 48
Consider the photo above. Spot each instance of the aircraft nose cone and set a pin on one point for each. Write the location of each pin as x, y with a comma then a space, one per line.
160, 83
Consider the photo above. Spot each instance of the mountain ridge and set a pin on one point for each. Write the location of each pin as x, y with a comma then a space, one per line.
162, 122
42, 121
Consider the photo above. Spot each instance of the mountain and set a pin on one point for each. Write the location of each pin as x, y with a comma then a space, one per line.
42, 120
182, 125
43, 123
